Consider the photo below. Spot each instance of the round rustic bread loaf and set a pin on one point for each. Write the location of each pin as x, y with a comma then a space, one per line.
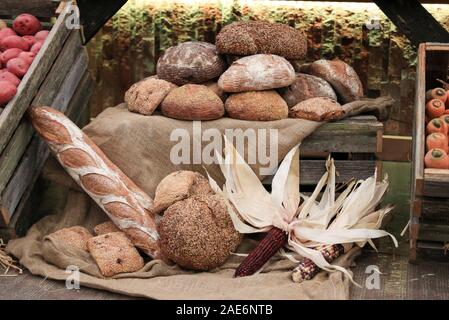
216, 89
256, 106
192, 102
340, 75
305, 87
252, 37
317, 109
179, 185
257, 72
190, 62
197, 233
145, 96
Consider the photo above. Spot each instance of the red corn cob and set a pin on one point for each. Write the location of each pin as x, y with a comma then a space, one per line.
307, 269
272, 243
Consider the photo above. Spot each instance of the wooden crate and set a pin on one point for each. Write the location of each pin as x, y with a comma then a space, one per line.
58, 78
429, 208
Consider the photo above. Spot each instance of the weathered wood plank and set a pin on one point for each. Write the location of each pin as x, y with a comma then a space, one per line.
435, 209
22, 136
39, 8
20, 186
13, 112
436, 183
434, 232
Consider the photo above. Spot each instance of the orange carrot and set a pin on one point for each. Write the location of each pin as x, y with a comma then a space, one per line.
436, 125
435, 108
437, 141
445, 118
436, 93
437, 159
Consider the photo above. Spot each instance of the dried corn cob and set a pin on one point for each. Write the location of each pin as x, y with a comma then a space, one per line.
270, 244
307, 269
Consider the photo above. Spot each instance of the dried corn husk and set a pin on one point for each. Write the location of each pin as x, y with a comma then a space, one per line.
349, 219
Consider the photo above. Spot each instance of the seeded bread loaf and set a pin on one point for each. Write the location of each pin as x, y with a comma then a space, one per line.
192, 102
305, 87
105, 227
75, 237
253, 37
256, 106
257, 72
340, 75
190, 62
317, 109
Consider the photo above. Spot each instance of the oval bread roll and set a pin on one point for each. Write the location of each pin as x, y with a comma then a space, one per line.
317, 109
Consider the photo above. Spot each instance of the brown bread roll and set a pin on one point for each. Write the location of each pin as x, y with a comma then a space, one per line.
257, 72
305, 87
190, 62
256, 106
253, 37
75, 237
340, 75
145, 96
317, 109
192, 102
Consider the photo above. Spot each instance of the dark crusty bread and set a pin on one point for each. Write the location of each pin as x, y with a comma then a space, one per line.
256, 106
252, 37
257, 72
192, 102
145, 96
317, 109
190, 62
75, 237
114, 253
340, 75
305, 87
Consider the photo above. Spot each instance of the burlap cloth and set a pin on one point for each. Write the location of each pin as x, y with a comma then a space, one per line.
140, 146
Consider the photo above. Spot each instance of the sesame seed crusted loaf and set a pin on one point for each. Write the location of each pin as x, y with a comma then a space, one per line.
105, 227
256, 106
114, 253
190, 62
257, 72
252, 37
340, 75
317, 109
197, 233
75, 237
305, 87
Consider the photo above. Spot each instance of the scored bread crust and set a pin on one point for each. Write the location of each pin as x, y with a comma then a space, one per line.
125, 203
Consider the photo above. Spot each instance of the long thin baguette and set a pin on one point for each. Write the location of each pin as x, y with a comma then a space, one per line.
125, 203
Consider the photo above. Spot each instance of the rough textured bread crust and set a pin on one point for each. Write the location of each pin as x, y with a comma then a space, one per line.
125, 203
252, 37
257, 72
197, 233
145, 96
256, 106
75, 237
305, 87
190, 62
114, 254
340, 75
192, 102
179, 185
213, 86
317, 109
105, 227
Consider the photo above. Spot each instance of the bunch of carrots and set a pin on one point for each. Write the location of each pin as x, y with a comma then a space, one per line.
437, 128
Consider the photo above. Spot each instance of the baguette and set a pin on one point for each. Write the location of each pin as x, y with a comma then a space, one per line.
125, 203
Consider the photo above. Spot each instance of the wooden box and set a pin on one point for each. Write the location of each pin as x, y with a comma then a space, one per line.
429, 207
58, 78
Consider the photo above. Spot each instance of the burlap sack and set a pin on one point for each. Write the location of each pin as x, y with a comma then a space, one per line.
140, 146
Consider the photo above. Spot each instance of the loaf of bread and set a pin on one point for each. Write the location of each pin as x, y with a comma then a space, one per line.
125, 203
256, 106
190, 62
257, 72
317, 109
305, 87
213, 86
105, 227
74, 237
179, 185
252, 37
192, 102
114, 254
340, 75
145, 96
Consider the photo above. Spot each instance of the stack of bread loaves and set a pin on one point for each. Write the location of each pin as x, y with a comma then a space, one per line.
194, 82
